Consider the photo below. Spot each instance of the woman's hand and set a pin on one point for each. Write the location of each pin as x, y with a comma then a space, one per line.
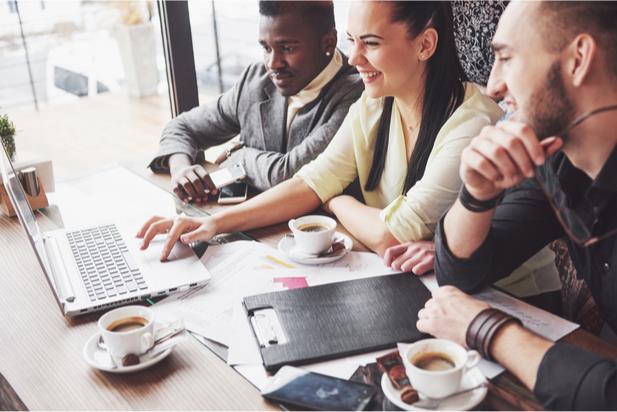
448, 314
187, 229
417, 257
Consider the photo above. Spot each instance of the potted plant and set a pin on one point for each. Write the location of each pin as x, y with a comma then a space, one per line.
7, 133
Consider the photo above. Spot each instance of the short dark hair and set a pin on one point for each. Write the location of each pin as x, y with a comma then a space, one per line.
319, 14
562, 21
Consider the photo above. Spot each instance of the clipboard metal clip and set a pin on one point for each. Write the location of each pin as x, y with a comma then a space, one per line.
267, 328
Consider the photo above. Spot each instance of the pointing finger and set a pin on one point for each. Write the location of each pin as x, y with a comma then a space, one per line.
173, 236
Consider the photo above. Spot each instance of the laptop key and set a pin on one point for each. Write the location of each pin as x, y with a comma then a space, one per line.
129, 261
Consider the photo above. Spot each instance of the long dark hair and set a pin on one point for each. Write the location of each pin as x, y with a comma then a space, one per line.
443, 91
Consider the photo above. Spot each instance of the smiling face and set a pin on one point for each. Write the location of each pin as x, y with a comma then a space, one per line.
527, 76
294, 52
381, 50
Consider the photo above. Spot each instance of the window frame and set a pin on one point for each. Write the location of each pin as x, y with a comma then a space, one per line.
179, 57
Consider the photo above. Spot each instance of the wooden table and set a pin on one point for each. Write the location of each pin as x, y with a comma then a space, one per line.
41, 365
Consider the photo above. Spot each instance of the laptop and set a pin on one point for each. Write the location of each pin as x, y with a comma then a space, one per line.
95, 268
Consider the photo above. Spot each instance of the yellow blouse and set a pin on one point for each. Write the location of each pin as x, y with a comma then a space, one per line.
414, 215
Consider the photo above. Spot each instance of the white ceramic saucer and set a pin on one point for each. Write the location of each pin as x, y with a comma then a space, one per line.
461, 402
99, 358
287, 245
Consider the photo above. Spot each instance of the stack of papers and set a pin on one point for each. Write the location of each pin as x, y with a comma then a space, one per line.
245, 268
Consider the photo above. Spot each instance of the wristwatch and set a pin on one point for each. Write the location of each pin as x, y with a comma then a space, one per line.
232, 148
226, 154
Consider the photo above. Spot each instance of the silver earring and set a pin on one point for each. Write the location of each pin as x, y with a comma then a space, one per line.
328, 54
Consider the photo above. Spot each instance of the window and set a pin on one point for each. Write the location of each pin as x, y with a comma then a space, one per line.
83, 81
225, 40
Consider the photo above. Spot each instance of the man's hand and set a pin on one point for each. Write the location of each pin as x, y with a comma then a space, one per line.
186, 229
417, 257
192, 184
502, 156
448, 314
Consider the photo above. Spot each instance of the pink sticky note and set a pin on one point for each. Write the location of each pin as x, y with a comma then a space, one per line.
292, 282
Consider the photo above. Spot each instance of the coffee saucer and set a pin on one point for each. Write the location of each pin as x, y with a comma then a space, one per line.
460, 402
99, 358
287, 245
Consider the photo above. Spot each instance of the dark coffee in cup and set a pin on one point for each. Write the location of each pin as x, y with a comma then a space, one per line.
127, 324
433, 361
312, 227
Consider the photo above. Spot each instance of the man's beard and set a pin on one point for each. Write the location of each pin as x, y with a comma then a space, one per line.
550, 109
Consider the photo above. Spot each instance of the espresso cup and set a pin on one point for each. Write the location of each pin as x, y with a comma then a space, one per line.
127, 330
436, 367
313, 234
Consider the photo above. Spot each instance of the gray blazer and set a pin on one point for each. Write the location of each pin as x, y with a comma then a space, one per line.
256, 110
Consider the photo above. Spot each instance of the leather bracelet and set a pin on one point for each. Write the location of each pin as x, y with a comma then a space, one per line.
483, 328
475, 205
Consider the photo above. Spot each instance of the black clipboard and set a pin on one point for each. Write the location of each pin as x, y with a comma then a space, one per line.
318, 323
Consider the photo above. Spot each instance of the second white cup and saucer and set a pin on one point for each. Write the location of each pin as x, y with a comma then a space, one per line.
461, 387
129, 340
314, 241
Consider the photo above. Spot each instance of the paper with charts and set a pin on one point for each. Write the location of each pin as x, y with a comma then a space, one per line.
246, 268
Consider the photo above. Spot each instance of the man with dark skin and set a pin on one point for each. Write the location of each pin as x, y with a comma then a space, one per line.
559, 78
286, 109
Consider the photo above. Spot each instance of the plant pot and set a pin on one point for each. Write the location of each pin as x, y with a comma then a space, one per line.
9, 146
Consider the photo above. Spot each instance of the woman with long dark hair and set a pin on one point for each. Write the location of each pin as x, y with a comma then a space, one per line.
401, 140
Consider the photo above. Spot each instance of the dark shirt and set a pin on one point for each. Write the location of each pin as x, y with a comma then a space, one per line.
524, 222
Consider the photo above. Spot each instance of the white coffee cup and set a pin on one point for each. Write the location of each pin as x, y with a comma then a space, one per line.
313, 242
438, 383
127, 330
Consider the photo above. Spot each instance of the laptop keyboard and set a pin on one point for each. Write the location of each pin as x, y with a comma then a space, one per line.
105, 264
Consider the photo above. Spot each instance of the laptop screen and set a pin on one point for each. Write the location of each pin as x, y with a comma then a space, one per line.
16, 192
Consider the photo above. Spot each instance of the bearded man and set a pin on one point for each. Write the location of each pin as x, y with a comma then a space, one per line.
548, 172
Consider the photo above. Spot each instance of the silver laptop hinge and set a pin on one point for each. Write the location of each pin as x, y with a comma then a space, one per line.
59, 274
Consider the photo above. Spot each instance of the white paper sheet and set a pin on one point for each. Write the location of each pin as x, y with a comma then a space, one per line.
243, 349
246, 268
540, 321
543, 323
208, 311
